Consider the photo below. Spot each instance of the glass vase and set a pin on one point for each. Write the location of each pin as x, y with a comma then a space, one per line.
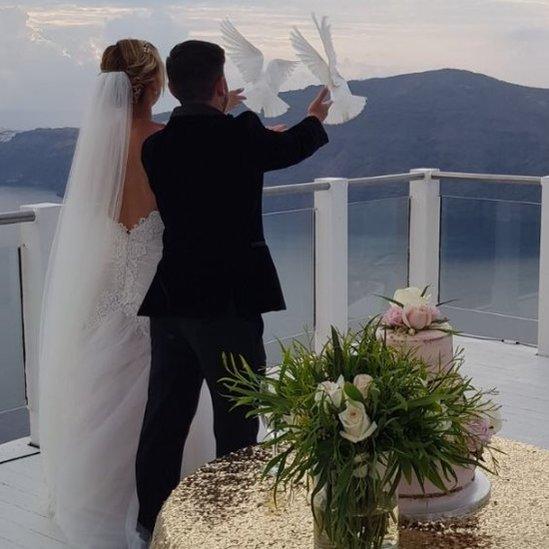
382, 525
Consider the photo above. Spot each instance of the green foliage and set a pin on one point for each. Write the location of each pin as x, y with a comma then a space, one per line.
421, 428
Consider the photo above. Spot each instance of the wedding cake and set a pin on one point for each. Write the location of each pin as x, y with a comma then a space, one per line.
412, 325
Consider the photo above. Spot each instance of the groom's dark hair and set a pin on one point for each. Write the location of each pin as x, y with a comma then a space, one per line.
193, 69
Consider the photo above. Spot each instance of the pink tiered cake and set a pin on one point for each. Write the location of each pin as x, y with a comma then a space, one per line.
412, 325
436, 349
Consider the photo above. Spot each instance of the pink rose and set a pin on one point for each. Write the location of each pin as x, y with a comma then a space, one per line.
435, 313
417, 317
393, 317
480, 432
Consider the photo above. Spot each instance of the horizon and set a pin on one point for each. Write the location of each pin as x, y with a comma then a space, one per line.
163, 112
49, 49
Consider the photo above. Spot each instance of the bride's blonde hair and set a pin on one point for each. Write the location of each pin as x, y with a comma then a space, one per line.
139, 59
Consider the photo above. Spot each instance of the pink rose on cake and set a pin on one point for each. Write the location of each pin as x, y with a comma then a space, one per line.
436, 314
412, 312
393, 316
417, 317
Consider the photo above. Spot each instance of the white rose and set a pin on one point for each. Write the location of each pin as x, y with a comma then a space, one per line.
356, 422
334, 391
362, 382
411, 296
496, 421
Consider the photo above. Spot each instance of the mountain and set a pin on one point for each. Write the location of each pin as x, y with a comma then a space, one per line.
450, 119
6, 135
38, 158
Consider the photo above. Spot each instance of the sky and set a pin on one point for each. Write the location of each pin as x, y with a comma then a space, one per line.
50, 49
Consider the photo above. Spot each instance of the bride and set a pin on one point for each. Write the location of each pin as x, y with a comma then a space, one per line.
95, 351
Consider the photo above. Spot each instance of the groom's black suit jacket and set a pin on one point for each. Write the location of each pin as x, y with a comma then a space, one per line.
206, 171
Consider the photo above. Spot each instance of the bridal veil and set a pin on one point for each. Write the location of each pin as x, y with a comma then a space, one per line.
81, 266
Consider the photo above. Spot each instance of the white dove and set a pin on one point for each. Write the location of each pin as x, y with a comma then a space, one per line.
264, 82
345, 106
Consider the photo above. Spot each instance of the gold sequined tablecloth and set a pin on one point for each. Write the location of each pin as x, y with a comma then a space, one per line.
225, 505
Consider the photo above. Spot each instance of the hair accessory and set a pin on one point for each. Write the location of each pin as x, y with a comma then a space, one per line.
137, 92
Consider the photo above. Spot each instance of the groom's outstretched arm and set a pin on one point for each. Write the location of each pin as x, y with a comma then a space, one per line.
272, 150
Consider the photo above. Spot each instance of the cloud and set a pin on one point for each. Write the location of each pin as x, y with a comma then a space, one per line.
156, 26
50, 57
36, 73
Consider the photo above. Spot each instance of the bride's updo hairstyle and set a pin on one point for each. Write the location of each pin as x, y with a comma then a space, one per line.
140, 60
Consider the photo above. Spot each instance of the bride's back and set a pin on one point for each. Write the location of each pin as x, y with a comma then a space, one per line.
141, 62
138, 200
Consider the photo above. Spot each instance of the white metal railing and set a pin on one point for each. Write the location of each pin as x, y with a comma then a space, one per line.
13, 218
331, 251
300, 188
490, 177
543, 291
331, 259
413, 175
36, 239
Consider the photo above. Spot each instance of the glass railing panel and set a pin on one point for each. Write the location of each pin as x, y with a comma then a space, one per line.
13, 414
490, 266
378, 254
290, 236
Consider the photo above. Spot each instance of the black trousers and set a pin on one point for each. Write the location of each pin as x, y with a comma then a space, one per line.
185, 352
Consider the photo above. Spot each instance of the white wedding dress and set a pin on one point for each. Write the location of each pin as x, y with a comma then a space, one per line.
103, 433
94, 349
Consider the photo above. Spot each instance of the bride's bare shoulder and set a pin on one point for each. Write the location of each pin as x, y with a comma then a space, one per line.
152, 127
143, 129
156, 126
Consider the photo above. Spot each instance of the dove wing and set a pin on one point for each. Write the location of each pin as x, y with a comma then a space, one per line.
310, 57
278, 71
325, 32
247, 58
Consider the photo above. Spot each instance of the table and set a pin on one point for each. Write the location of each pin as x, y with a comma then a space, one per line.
225, 505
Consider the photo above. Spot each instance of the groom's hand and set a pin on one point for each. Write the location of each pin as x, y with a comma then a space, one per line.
236, 98
278, 128
320, 106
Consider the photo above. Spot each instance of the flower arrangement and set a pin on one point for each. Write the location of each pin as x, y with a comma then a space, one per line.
411, 312
354, 419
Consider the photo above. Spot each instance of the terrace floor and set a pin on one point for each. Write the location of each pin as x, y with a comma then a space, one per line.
521, 376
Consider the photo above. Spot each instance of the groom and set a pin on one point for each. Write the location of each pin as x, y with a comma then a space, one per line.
216, 275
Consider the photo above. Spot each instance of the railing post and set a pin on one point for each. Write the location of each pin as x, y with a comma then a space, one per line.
36, 240
331, 259
543, 299
424, 247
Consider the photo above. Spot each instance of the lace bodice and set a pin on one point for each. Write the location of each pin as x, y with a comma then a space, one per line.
136, 256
